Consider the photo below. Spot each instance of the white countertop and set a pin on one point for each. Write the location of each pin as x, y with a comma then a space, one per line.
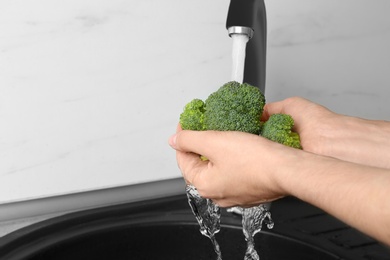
91, 90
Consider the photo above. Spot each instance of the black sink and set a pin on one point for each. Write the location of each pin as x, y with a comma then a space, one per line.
166, 229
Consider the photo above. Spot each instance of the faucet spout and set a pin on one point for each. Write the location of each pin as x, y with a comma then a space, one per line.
251, 14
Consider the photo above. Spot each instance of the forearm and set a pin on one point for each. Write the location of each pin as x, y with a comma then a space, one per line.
356, 194
359, 140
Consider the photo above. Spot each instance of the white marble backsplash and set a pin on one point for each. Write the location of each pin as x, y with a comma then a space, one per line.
91, 90
333, 52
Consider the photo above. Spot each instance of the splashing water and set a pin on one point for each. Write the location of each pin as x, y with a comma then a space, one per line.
208, 215
238, 56
252, 222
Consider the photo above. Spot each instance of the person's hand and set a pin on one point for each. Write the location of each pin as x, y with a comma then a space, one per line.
314, 123
343, 137
240, 169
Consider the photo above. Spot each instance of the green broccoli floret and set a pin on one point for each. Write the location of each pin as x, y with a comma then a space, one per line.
192, 117
234, 107
278, 128
238, 107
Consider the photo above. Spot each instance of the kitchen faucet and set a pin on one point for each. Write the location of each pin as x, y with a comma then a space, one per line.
249, 17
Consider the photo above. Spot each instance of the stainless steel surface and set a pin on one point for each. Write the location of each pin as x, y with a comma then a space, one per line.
240, 30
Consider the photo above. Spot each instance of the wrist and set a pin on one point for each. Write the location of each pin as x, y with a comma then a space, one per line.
294, 166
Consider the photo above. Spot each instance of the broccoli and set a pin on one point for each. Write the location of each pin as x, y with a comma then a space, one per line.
238, 107
278, 129
234, 107
192, 117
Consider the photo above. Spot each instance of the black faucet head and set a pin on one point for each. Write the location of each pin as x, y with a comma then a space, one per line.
242, 12
252, 14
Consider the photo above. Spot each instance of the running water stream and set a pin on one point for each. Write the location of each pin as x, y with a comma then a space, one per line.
238, 56
207, 213
252, 218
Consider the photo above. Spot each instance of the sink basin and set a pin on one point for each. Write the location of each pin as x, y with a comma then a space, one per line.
162, 228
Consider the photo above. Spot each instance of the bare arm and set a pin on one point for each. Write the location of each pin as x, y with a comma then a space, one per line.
356, 194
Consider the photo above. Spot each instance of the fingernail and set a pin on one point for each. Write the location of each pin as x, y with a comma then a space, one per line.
172, 140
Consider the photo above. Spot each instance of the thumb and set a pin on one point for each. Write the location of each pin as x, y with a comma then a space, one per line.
189, 141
